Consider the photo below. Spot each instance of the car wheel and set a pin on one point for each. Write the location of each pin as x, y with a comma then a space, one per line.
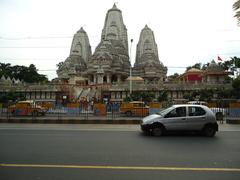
157, 131
129, 113
209, 131
34, 113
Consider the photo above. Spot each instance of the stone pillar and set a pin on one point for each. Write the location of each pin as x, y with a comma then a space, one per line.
100, 79
94, 79
89, 79
108, 78
118, 78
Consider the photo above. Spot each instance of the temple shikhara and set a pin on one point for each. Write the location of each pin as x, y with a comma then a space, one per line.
110, 64
106, 72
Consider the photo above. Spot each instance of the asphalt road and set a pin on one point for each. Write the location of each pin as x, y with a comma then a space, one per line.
88, 152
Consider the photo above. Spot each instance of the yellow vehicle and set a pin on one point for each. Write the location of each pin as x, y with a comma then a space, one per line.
25, 108
134, 108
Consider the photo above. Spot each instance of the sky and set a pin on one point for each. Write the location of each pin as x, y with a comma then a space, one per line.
186, 31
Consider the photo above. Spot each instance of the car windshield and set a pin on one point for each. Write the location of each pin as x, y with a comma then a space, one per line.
165, 111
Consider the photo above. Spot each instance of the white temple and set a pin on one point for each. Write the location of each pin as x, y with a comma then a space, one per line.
110, 64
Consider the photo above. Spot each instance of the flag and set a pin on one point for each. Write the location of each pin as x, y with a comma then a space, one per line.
218, 58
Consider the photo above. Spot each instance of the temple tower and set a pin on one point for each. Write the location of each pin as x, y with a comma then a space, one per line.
147, 64
114, 28
76, 63
111, 55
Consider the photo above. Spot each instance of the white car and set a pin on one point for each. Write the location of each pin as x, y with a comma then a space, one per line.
185, 117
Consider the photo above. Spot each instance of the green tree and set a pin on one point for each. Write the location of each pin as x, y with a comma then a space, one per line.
236, 7
232, 65
27, 74
163, 96
188, 96
236, 84
140, 96
205, 95
11, 97
173, 77
197, 66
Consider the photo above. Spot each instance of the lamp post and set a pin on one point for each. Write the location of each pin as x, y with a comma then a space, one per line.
130, 80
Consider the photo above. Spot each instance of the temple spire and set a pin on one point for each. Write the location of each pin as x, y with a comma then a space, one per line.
114, 6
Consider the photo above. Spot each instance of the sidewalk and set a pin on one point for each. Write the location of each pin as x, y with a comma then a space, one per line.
72, 120
229, 127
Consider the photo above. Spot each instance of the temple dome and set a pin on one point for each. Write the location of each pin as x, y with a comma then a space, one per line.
214, 67
135, 78
194, 70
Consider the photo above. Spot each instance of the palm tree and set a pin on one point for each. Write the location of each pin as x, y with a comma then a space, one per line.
236, 7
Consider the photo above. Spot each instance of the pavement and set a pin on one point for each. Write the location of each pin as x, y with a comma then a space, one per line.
85, 119
96, 127
106, 152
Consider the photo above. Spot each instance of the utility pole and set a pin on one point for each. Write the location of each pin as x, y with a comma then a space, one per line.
130, 80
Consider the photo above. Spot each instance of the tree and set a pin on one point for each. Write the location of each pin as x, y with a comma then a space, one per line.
232, 65
236, 8
140, 96
236, 84
163, 96
27, 74
197, 66
11, 96
173, 77
188, 96
205, 95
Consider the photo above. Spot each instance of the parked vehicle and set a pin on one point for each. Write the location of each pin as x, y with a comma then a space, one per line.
185, 117
134, 108
25, 108
198, 102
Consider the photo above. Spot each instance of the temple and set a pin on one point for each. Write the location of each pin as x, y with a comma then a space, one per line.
110, 61
110, 64
75, 65
147, 64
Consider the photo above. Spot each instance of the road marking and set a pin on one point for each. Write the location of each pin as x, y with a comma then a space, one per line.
156, 168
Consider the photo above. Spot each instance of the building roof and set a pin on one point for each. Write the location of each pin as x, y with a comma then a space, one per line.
194, 70
135, 78
214, 67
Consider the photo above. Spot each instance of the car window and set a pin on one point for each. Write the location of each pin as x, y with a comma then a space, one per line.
163, 112
196, 111
177, 112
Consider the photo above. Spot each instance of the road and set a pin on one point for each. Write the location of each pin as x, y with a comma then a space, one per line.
114, 152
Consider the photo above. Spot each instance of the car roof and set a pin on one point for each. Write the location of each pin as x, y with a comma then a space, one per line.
187, 105
197, 102
27, 101
136, 102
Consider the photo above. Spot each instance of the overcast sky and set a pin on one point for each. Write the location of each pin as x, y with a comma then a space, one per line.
186, 31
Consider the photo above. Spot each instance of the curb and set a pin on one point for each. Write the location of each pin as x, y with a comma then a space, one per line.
69, 121
233, 121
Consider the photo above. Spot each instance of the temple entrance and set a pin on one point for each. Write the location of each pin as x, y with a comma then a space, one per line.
104, 79
114, 78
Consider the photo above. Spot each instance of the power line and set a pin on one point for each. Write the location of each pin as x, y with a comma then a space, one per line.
47, 69
33, 47
36, 47
171, 67
40, 37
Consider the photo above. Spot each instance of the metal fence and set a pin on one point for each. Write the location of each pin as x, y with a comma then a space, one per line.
86, 112
102, 112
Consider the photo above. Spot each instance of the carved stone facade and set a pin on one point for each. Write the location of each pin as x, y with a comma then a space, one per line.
110, 62
76, 63
147, 64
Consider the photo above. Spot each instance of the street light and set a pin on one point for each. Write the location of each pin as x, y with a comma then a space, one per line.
130, 80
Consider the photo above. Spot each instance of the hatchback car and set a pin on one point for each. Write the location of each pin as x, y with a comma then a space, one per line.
185, 117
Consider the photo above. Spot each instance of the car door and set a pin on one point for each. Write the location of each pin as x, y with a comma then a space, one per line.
196, 118
176, 119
